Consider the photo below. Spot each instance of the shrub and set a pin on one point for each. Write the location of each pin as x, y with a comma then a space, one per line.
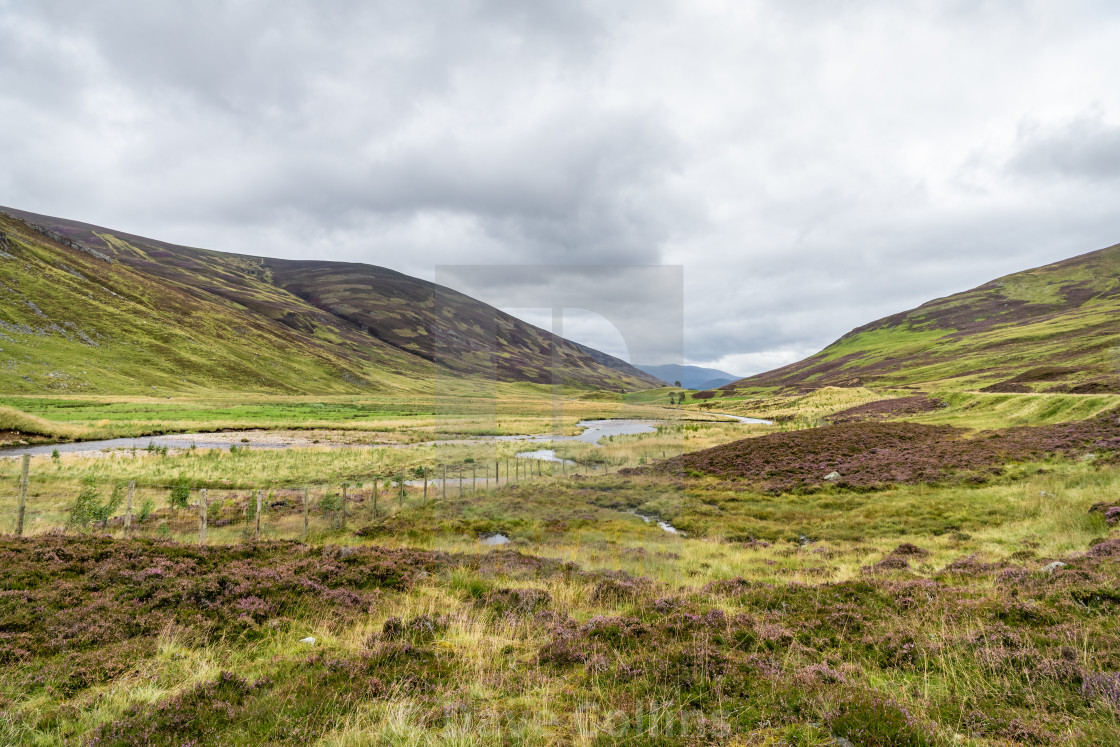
147, 508
88, 509
874, 721
180, 494
330, 503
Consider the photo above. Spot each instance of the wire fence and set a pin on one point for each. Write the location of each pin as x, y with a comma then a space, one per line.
43, 503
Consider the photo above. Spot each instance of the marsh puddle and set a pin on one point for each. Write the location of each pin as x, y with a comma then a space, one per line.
663, 525
743, 419
139, 444
545, 455
593, 431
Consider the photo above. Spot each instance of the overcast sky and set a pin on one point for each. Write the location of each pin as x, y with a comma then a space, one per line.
812, 164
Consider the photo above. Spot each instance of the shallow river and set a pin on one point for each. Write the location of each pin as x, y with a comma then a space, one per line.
594, 431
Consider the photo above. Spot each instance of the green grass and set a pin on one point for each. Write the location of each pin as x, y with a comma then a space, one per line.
982, 410
910, 615
461, 407
32, 425
1065, 316
170, 320
805, 647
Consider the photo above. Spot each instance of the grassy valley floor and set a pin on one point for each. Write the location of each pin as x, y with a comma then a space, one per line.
941, 611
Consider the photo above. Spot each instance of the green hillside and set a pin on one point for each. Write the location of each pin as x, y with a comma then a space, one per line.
1054, 328
87, 309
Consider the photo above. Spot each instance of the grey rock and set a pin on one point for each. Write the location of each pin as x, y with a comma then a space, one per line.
1055, 566
832, 476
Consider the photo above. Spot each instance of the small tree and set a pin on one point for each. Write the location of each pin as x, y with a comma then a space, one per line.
677, 384
331, 506
88, 509
180, 493
672, 399
147, 508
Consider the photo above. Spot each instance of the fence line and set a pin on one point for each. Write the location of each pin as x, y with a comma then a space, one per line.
271, 518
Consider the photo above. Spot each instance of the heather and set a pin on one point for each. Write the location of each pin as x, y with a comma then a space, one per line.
894, 407
977, 607
865, 455
428, 645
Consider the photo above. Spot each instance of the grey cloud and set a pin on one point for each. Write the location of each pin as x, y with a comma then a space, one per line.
1086, 147
811, 165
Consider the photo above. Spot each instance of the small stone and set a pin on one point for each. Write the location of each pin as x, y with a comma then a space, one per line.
842, 742
309, 640
1055, 566
832, 476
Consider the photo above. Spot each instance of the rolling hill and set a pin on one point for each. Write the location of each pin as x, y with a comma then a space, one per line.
690, 377
1052, 328
89, 309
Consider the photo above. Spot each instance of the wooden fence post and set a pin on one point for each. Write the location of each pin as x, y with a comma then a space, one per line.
374, 507
345, 496
24, 478
474, 477
401, 498
257, 528
460, 481
425, 486
497, 474
443, 482
202, 500
128, 507
306, 512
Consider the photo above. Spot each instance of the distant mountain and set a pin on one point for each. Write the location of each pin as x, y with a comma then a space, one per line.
85, 308
691, 377
1053, 328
